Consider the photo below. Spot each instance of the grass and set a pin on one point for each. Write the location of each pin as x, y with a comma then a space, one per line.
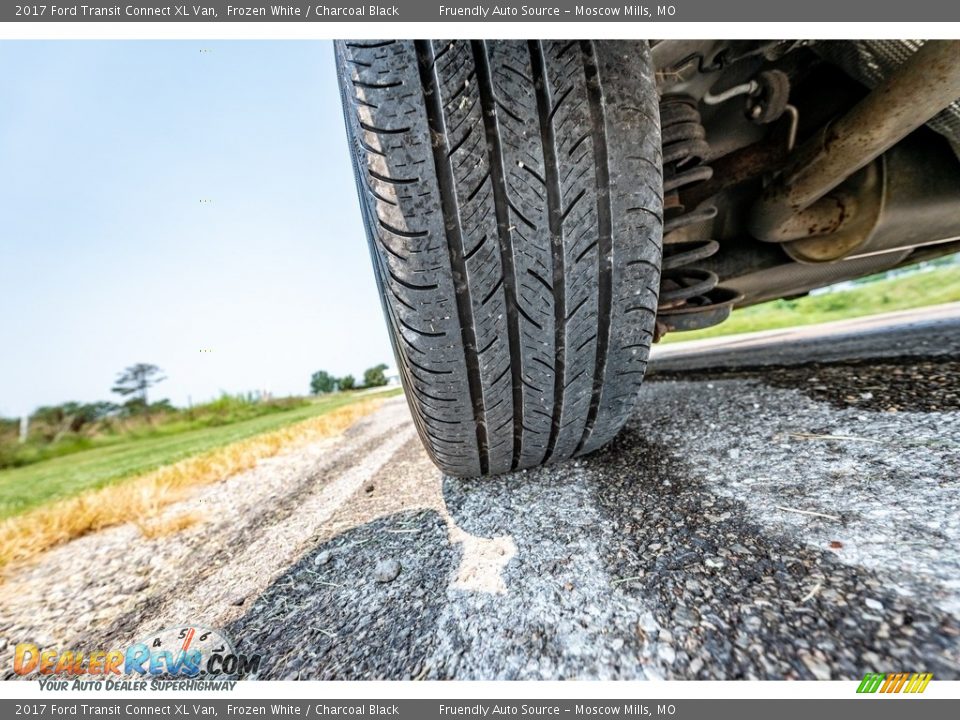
934, 287
24, 488
49, 439
45, 521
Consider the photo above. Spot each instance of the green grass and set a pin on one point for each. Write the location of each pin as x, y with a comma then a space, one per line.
940, 285
27, 487
225, 410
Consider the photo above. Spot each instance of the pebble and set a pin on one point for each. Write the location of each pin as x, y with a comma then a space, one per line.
685, 617
386, 571
667, 654
820, 670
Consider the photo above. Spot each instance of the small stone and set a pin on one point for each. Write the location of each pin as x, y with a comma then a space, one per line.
667, 654
875, 605
369, 488
752, 622
685, 617
238, 600
386, 571
323, 558
733, 453
43, 640
872, 660
819, 669
713, 562
696, 665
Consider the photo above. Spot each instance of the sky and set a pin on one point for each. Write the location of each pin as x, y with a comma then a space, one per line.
186, 204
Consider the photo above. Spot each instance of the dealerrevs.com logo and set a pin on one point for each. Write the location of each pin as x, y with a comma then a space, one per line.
184, 658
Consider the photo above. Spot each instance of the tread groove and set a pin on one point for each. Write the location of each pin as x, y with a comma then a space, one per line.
383, 131
529, 319
489, 109
552, 176
604, 226
393, 181
376, 86
402, 233
532, 273
476, 248
431, 92
410, 285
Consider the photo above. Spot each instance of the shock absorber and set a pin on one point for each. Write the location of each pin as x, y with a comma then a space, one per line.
690, 297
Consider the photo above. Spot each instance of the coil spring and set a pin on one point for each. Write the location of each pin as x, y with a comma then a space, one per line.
689, 296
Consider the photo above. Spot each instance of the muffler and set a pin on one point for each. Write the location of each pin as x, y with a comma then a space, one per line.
834, 194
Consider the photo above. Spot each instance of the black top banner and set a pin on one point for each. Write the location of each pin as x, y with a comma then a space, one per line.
367, 709
465, 11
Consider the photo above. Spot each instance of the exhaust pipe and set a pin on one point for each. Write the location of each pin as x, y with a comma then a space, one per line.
800, 202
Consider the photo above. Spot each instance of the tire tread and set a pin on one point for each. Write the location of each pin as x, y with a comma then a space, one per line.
511, 193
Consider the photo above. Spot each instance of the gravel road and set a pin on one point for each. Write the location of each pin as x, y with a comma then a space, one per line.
796, 521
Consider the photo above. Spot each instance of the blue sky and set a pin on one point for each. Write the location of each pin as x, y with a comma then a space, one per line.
108, 256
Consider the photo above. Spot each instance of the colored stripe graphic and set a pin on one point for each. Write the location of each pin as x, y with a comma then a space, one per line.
918, 683
894, 682
870, 683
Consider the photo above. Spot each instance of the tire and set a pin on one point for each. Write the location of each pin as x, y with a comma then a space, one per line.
512, 195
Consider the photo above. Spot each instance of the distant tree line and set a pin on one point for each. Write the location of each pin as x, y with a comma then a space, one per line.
132, 383
323, 382
58, 430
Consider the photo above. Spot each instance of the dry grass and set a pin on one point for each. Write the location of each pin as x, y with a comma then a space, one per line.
140, 499
168, 525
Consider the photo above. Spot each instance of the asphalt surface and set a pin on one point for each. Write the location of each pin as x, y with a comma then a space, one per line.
923, 332
799, 520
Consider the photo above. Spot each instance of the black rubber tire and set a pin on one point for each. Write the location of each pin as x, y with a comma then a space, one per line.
512, 193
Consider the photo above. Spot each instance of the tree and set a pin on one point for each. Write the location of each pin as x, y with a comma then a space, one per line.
348, 382
321, 382
374, 377
57, 420
136, 380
